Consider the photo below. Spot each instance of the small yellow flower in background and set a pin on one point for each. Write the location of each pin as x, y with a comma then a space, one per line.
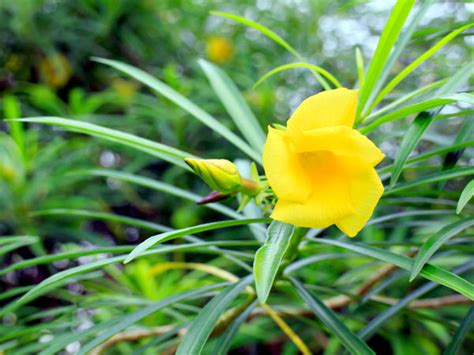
55, 70
320, 168
219, 49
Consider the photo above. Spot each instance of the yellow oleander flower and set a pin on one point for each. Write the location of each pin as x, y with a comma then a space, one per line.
320, 168
219, 49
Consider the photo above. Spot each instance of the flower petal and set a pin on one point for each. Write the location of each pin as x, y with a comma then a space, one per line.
365, 189
330, 201
283, 169
339, 140
326, 109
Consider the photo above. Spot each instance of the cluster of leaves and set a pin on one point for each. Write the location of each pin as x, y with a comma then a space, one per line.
248, 274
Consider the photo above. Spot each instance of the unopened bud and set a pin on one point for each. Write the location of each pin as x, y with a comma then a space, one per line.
220, 174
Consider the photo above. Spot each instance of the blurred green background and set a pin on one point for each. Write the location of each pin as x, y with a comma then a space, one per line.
46, 70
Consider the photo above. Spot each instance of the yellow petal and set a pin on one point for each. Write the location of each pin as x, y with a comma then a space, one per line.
340, 140
326, 109
283, 169
366, 189
330, 200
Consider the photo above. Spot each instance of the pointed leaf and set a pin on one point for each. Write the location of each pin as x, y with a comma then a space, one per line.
269, 257
235, 105
433, 243
184, 103
409, 142
194, 340
466, 195
163, 237
351, 341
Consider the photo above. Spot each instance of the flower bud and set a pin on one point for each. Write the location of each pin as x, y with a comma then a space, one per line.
220, 174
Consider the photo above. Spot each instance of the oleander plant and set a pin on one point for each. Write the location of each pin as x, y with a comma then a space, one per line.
339, 222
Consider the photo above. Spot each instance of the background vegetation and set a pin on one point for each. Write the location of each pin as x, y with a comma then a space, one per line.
73, 206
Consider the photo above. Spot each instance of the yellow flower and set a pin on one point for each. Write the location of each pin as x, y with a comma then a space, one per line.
219, 49
320, 168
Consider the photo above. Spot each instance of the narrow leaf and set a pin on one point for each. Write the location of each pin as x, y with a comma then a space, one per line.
387, 40
235, 105
273, 36
313, 67
404, 73
461, 332
163, 237
443, 175
184, 103
269, 257
224, 342
430, 272
134, 317
194, 340
409, 142
351, 341
466, 195
433, 243
172, 155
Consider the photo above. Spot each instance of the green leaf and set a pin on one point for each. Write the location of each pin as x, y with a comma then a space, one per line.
102, 216
159, 186
466, 195
405, 98
57, 279
383, 317
406, 111
400, 45
273, 36
225, 340
387, 40
194, 340
142, 313
269, 257
443, 175
184, 103
351, 341
461, 332
433, 243
313, 67
409, 142
360, 66
172, 155
15, 242
235, 105
404, 73
430, 272
163, 237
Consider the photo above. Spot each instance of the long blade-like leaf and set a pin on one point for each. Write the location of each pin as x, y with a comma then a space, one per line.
235, 105
163, 237
313, 67
351, 341
466, 195
386, 42
430, 272
184, 103
273, 36
433, 243
461, 332
201, 328
405, 72
410, 140
172, 155
134, 317
269, 257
